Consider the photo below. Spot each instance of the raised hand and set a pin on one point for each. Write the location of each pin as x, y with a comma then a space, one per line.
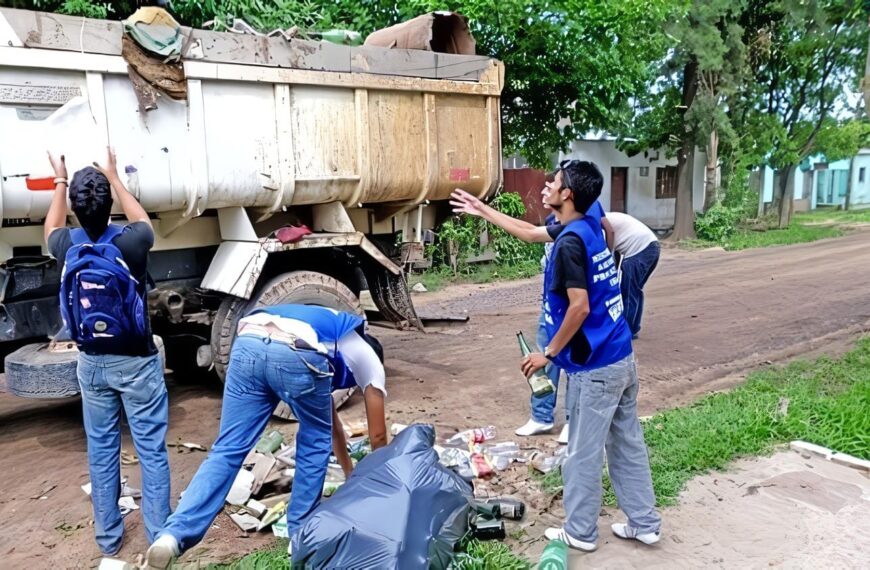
110, 170
465, 203
59, 166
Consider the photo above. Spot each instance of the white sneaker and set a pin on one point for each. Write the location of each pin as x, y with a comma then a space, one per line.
533, 428
622, 530
161, 554
560, 534
563, 435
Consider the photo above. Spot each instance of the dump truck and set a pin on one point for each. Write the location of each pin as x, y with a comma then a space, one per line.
361, 144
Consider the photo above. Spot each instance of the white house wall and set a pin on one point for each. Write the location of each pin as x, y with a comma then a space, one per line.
640, 199
861, 189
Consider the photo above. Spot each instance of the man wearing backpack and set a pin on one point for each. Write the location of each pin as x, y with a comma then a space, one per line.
103, 288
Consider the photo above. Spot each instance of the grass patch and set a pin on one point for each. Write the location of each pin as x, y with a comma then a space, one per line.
795, 233
475, 555
273, 559
805, 227
823, 402
490, 555
435, 279
834, 216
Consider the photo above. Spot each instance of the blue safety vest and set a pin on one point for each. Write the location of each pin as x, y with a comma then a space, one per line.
330, 325
605, 329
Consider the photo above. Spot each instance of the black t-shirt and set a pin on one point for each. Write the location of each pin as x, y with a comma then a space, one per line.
569, 272
134, 244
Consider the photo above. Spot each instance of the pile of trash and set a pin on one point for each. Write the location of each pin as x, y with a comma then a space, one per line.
260, 494
473, 455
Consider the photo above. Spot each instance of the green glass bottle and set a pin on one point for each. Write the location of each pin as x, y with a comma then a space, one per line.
540, 384
554, 557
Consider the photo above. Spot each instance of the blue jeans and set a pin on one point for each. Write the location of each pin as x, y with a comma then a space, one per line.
635, 272
109, 383
261, 373
604, 417
544, 406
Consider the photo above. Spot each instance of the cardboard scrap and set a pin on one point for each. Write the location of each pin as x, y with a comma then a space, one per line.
240, 492
245, 521
262, 469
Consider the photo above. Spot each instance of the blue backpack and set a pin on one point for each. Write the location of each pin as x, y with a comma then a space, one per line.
99, 299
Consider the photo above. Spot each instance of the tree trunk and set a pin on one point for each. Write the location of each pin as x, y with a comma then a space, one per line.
711, 185
684, 211
786, 196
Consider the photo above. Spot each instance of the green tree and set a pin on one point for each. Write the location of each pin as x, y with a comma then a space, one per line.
686, 107
816, 52
581, 60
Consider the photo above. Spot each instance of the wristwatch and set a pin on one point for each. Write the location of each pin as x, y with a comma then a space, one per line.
547, 354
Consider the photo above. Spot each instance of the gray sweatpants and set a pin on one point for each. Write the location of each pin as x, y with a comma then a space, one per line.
604, 416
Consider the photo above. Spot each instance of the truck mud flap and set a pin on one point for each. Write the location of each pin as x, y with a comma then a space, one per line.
391, 295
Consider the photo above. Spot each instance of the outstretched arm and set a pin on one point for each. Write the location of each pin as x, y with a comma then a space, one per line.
56, 216
339, 443
465, 203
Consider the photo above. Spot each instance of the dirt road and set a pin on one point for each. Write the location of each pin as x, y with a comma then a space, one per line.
711, 317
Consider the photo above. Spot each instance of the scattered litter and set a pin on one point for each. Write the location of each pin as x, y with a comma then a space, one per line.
256, 508
485, 528
128, 491
279, 529
272, 515
359, 448
262, 469
186, 446
287, 456
356, 429
128, 458
270, 442
547, 463
114, 564
477, 435
245, 521
419, 288
501, 455
128, 505
240, 492
42, 495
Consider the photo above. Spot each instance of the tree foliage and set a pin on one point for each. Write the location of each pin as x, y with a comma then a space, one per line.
581, 60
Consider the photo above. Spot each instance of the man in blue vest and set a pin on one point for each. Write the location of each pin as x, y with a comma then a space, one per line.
283, 352
542, 407
590, 340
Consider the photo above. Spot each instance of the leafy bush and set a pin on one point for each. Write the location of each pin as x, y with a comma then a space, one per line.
717, 223
459, 238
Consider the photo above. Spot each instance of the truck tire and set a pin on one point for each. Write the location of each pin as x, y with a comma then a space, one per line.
302, 287
33, 371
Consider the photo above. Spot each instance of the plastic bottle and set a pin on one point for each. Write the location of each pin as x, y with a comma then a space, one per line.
477, 435
508, 508
540, 384
480, 466
554, 557
270, 442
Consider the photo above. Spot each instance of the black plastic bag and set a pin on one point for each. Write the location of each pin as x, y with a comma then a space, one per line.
399, 509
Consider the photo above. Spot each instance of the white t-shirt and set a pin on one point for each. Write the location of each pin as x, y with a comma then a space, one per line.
360, 358
630, 235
